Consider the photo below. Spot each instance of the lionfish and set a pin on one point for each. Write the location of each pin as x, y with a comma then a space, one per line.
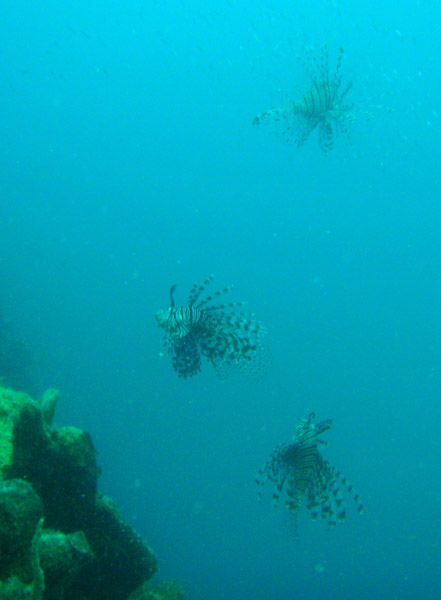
321, 107
299, 471
215, 332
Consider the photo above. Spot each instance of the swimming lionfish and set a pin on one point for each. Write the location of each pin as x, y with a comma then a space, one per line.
321, 107
300, 472
216, 332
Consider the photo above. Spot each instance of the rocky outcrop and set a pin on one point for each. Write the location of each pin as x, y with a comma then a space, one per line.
57, 534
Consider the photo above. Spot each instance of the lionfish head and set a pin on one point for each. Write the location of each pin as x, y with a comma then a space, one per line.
162, 318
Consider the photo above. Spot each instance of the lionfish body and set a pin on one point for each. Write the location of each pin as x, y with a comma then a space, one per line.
215, 332
299, 471
321, 107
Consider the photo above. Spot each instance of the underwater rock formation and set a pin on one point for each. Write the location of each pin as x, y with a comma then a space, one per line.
85, 550
62, 557
21, 512
14, 588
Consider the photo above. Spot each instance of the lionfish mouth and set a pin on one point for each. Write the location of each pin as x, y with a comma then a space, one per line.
162, 316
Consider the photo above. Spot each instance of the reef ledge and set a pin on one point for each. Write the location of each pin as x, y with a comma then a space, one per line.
60, 539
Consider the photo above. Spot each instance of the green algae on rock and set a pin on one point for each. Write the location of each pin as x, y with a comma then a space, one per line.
86, 548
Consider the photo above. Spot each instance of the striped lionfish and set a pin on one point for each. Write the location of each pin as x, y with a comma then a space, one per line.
305, 478
215, 332
321, 107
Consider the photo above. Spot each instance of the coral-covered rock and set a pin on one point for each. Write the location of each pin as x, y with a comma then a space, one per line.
48, 403
122, 562
60, 464
89, 552
11, 405
20, 511
62, 556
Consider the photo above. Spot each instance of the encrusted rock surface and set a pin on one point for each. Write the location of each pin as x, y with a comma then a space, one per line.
84, 550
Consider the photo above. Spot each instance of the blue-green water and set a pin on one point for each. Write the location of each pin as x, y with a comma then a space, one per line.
128, 164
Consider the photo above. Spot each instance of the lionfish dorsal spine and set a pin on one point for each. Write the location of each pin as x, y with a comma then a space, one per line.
197, 290
337, 73
227, 307
208, 299
321, 65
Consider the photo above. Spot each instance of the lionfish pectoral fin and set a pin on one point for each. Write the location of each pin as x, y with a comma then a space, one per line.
273, 113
